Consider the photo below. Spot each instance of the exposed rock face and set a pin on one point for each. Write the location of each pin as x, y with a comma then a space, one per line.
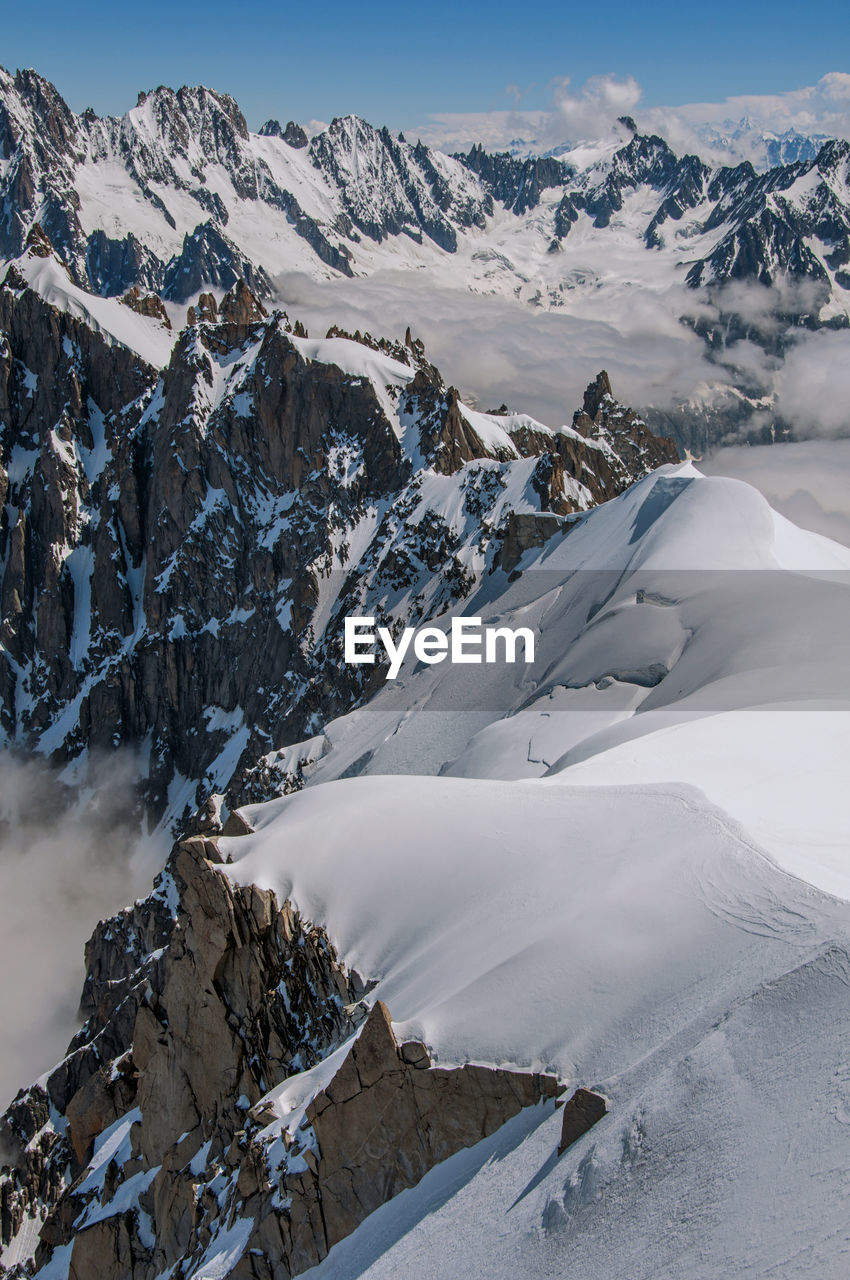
240, 307
584, 1109
209, 258
34, 1160
201, 1000
294, 135
388, 1117
178, 548
603, 419
37, 243
115, 266
148, 304
524, 531
515, 183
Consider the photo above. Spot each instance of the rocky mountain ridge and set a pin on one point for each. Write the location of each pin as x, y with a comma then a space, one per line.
179, 546
162, 1141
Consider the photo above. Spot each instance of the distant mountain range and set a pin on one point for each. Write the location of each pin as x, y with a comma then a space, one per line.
177, 195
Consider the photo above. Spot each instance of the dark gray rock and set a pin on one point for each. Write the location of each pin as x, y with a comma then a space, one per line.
584, 1109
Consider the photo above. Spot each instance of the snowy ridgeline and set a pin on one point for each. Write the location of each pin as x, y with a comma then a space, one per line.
637, 903
626, 865
631, 939
684, 633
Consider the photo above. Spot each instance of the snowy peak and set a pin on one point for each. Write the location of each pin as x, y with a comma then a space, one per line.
389, 187
41, 143
32, 107
171, 137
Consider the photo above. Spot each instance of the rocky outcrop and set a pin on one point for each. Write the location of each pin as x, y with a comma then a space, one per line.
293, 133
205, 310
387, 1118
446, 437
525, 530
37, 242
398, 350
202, 1000
35, 1162
584, 1109
147, 304
603, 447
209, 258
623, 434
239, 307
120, 266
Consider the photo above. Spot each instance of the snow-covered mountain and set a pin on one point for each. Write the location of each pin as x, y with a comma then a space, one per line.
599, 878
178, 195
765, 148
513, 968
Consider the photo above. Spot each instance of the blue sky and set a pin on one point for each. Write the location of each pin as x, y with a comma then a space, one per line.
398, 62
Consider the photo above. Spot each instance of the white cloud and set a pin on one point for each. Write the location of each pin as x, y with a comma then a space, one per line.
588, 112
813, 384
495, 130
805, 481
592, 110
585, 111
66, 860
499, 350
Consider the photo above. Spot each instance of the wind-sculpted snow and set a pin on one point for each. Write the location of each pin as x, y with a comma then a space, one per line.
630, 938
684, 633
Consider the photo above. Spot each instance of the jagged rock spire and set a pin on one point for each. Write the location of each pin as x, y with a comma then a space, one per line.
239, 306
596, 393
38, 243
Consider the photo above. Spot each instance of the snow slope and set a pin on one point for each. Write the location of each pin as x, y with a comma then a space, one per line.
107, 316
685, 634
633, 940
626, 886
